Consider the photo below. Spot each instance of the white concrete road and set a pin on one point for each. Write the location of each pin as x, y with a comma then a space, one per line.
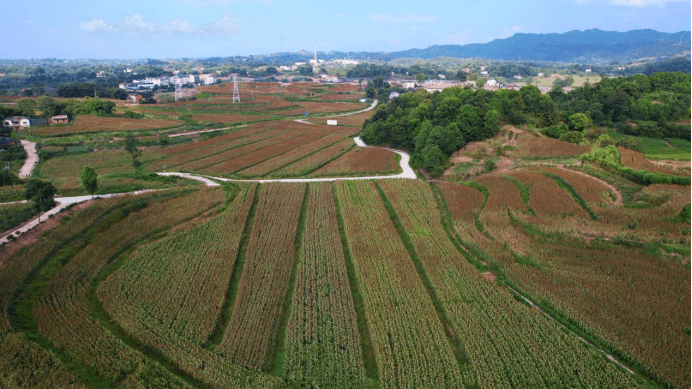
406, 173
63, 202
31, 159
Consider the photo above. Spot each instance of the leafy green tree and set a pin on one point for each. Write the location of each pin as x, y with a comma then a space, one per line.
26, 107
420, 77
89, 180
433, 160
578, 122
41, 193
131, 148
460, 75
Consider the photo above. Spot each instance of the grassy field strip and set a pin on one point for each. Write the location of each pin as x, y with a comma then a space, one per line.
272, 164
508, 344
322, 344
251, 333
408, 340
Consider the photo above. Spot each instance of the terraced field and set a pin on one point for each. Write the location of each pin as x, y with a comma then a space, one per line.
530, 275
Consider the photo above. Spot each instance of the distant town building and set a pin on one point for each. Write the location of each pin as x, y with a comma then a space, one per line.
588, 70
393, 95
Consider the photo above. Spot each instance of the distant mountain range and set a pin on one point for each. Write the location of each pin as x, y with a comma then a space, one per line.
589, 46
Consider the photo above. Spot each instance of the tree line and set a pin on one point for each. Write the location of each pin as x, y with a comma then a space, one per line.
433, 126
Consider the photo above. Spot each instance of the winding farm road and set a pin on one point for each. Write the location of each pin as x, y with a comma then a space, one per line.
31, 159
63, 202
406, 173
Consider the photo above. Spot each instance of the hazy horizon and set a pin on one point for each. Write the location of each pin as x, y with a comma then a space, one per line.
221, 28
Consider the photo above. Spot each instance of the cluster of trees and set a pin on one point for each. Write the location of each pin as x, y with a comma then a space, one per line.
661, 98
86, 89
433, 126
48, 107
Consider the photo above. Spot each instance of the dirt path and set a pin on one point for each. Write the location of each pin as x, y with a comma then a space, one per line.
31, 159
618, 194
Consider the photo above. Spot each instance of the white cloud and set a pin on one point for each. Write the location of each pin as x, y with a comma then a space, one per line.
224, 26
136, 24
96, 25
409, 18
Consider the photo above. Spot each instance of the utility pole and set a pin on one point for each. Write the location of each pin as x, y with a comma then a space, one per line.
236, 93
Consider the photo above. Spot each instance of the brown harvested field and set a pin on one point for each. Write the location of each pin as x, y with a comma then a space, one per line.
637, 160
463, 201
530, 146
546, 197
592, 190
368, 160
258, 155
355, 120
195, 145
503, 194
342, 96
314, 161
227, 118
291, 156
290, 125
215, 159
315, 107
343, 88
209, 151
88, 123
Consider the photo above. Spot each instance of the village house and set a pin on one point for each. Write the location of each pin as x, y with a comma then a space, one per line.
135, 99
59, 119
16, 121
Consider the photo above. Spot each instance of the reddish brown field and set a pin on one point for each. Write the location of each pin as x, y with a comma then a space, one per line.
291, 156
463, 202
88, 123
315, 161
195, 145
227, 118
591, 190
261, 154
636, 160
314, 107
356, 120
547, 198
206, 152
215, 159
503, 194
531, 146
369, 160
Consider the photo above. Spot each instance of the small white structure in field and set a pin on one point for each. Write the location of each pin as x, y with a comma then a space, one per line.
331, 122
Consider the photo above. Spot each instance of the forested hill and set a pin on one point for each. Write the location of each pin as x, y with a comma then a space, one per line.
590, 46
433, 126
574, 46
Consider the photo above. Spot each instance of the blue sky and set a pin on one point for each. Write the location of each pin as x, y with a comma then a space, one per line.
205, 28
